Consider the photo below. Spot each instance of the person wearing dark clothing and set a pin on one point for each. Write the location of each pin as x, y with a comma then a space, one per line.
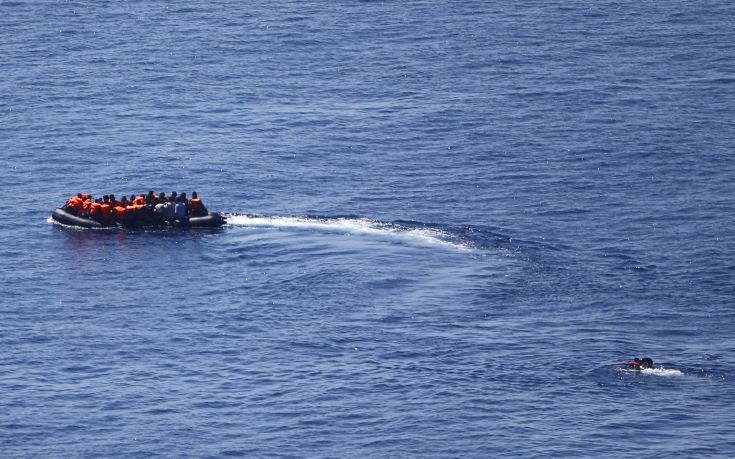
196, 207
641, 364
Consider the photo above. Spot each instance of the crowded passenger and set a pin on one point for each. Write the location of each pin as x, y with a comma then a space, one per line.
74, 204
168, 210
180, 210
196, 208
140, 210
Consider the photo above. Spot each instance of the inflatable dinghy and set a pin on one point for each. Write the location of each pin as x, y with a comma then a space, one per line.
211, 220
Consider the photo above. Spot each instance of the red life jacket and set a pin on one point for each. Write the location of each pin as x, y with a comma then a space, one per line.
139, 201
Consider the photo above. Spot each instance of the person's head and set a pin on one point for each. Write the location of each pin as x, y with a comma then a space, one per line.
183, 195
132, 197
112, 197
124, 200
194, 195
173, 193
150, 193
79, 195
105, 198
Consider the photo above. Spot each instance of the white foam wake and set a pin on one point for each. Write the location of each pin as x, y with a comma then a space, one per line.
352, 226
653, 371
662, 372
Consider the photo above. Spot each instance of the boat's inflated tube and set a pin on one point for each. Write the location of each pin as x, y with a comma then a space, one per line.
211, 220
67, 218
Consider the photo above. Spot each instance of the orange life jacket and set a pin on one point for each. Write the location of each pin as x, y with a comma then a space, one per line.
105, 210
139, 201
120, 212
85, 206
131, 208
94, 209
74, 203
195, 205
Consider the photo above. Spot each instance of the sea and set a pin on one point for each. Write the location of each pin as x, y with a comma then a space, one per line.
450, 225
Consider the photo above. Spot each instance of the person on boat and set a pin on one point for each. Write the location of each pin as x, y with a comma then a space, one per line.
640, 364
174, 197
139, 203
138, 200
120, 209
168, 210
180, 210
183, 199
74, 204
106, 212
94, 210
159, 217
86, 206
131, 216
196, 208
148, 218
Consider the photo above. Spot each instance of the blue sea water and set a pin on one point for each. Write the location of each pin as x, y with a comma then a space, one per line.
450, 223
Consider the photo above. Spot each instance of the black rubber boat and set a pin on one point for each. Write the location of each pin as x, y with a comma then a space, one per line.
211, 220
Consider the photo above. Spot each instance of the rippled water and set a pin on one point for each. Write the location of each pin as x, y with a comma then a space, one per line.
449, 225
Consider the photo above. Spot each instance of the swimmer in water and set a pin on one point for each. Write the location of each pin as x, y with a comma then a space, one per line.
640, 364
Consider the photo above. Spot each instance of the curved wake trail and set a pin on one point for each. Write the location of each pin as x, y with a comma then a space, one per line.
354, 226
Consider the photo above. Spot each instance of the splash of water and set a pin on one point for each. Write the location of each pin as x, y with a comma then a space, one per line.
662, 372
666, 372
